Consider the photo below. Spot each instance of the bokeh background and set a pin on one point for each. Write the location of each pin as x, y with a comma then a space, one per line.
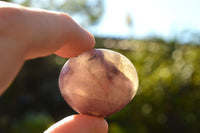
167, 60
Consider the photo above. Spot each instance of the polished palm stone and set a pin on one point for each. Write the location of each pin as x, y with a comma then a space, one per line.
98, 82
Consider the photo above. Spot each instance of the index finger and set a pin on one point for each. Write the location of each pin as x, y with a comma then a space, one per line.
43, 32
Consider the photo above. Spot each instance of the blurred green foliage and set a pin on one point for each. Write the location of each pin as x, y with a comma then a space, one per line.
168, 99
32, 123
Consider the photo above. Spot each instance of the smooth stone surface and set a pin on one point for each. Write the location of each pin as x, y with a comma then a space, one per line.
98, 82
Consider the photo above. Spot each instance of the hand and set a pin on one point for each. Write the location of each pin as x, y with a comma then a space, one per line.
27, 33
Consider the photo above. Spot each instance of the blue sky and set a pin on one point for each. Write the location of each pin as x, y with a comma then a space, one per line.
163, 18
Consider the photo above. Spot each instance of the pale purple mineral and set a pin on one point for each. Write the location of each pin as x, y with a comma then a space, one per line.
98, 82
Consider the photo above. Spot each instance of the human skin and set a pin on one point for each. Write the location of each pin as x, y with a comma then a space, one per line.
27, 33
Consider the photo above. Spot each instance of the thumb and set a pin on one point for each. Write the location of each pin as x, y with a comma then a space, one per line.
79, 124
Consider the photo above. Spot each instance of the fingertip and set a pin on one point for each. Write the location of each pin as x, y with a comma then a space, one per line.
78, 39
76, 47
79, 123
93, 124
